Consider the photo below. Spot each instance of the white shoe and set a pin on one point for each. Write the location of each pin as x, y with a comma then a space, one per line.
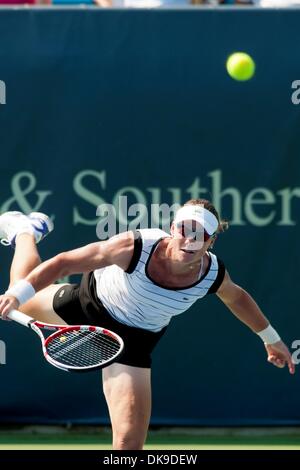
41, 224
12, 224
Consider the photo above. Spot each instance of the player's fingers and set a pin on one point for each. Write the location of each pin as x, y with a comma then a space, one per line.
271, 358
279, 363
290, 364
3, 302
276, 361
291, 367
6, 311
286, 359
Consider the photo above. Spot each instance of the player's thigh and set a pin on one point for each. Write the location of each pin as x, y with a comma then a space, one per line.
127, 391
40, 306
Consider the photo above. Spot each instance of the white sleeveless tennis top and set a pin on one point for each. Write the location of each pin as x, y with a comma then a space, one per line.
134, 299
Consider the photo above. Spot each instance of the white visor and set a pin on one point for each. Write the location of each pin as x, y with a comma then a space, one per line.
198, 213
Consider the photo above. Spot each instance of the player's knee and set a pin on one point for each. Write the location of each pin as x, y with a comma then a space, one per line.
128, 440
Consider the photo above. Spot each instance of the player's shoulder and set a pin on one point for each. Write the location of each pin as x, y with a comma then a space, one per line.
124, 240
119, 249
152, 234
217, 268
216, 262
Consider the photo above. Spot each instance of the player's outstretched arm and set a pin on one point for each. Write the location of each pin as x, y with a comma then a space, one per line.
243, 306
117, 250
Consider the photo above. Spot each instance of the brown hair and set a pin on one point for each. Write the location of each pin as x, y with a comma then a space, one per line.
223, 224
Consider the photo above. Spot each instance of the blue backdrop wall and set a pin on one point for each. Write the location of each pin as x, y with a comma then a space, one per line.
100, 104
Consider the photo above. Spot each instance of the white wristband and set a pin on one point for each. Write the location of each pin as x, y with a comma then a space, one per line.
269, 335
22, 291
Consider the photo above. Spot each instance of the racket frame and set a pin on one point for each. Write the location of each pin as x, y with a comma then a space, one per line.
60, 330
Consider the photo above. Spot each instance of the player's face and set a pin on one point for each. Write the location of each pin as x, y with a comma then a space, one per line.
190, 241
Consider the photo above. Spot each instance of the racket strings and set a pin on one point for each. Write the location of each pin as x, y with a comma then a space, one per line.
76, 338
82, 348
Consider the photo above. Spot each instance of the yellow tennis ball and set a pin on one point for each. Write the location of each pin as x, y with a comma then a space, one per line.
62, 338
240, 66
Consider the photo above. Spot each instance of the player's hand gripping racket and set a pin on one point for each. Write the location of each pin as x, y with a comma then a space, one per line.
74, 348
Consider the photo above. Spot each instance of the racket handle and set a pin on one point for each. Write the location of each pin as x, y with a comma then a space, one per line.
20, 317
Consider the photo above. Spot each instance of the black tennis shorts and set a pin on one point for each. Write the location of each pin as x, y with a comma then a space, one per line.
78, 304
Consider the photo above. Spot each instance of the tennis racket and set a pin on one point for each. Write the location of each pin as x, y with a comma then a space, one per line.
74, 348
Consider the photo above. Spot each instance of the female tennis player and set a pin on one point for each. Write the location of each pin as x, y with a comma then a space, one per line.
133, 284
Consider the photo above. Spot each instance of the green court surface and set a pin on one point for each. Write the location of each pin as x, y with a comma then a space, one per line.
56, 438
